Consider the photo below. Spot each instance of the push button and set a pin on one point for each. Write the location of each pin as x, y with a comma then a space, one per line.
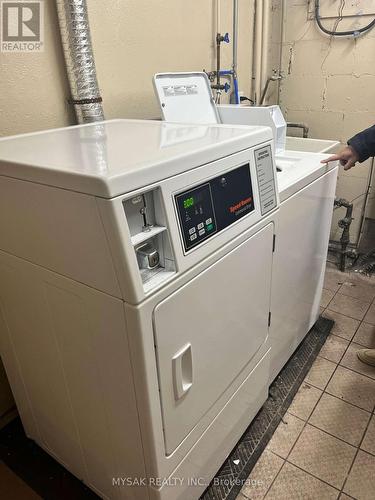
200, 225
208, 221
192, 230
201, 232
193, 237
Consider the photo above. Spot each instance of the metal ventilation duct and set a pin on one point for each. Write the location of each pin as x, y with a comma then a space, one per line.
79, 58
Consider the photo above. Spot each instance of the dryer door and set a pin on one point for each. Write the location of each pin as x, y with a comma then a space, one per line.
207, 332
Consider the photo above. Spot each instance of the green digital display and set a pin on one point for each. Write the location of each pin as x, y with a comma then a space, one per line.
189, 202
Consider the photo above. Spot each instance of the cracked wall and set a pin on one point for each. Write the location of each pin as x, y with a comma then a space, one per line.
329, 83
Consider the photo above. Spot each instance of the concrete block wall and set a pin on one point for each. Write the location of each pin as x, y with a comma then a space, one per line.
329, 83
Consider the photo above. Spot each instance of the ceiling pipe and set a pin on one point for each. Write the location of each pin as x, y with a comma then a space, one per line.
79, 60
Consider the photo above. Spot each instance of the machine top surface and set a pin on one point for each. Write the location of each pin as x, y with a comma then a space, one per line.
309, 145
114, 157
297, 169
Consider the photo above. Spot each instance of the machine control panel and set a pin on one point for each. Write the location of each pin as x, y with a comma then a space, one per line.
214, 205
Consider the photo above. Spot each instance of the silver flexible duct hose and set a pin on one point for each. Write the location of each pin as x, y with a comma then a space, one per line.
79, 59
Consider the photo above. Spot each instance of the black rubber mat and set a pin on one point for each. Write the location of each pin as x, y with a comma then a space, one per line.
231, 477
51, 481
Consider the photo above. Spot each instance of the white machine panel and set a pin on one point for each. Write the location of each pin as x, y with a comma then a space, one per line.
299, 266
206, 350
270, 116
64, 347
185, 98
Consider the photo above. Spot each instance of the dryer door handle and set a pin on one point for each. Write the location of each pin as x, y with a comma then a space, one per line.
182, 366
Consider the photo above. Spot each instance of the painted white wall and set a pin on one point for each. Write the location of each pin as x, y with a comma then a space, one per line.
132, 40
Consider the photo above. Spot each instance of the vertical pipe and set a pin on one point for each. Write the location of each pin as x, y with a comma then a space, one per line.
283, 20
235, 35
218, 17
252, 80
258, 50
235, 51
364, 208
236, 91
218, 43
265, 42
218, 62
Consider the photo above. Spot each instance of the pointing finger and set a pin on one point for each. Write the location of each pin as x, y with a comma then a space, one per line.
331, 158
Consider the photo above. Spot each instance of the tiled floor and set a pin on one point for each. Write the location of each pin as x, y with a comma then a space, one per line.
325, 445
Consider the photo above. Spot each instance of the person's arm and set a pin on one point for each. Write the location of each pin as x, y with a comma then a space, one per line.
360, 147
364, 143
348, 157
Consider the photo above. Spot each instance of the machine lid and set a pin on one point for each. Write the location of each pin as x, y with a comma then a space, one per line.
309, 145
110, 158
186, 98
297, 169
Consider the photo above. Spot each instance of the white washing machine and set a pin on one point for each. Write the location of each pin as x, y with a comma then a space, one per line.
136, 264
307, 192
306, 188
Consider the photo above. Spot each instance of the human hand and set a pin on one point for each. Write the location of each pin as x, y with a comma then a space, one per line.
348, 157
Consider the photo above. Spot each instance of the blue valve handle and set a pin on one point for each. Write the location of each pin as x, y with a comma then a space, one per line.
226, 87
226, 38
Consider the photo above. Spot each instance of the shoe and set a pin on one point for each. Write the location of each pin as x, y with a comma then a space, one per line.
367, 356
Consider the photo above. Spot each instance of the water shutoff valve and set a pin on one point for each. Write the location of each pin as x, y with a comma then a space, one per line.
222, 38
